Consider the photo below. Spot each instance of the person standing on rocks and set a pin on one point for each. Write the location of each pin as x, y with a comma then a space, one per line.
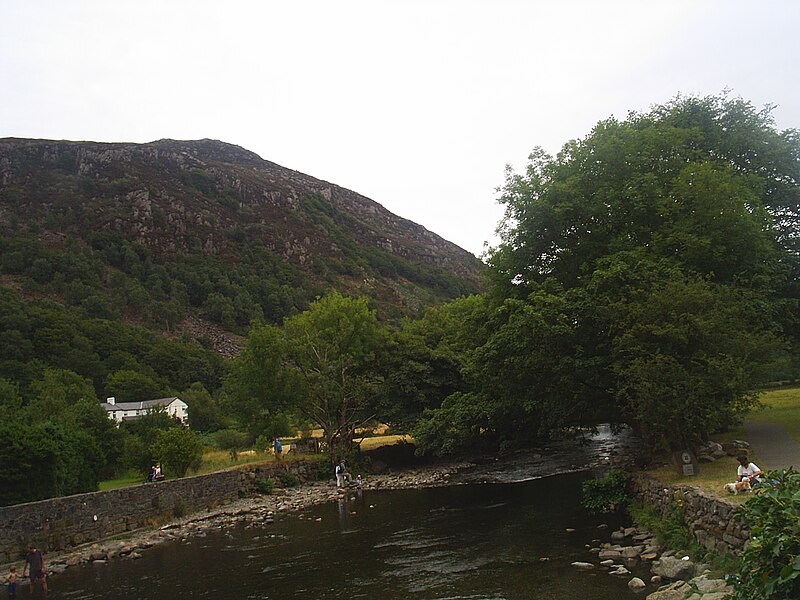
278, 448
34, 564
341, 474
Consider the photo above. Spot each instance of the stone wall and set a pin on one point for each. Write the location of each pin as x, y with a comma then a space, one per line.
61, 523
714, 522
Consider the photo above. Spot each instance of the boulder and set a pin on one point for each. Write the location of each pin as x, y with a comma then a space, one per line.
673, 568
636, 584
584, 566
674, 591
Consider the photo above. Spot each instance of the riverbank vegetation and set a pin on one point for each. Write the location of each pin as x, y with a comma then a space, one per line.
647, 274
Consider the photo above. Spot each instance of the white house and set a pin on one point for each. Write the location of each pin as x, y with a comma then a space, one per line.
123, 411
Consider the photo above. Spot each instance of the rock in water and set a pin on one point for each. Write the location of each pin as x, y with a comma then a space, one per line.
636, 584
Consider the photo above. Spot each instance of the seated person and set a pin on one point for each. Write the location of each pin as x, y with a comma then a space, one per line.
748, 470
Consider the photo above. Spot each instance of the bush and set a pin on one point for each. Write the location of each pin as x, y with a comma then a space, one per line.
607, 494
288, 479
179, 450
770, 566
264, 486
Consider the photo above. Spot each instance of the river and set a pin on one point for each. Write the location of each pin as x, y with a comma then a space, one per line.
478, 541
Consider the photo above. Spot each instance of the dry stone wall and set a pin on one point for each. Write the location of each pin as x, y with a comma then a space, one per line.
714, 522
62, 523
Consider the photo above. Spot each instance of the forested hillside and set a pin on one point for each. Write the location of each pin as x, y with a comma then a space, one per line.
134, 270
155, 232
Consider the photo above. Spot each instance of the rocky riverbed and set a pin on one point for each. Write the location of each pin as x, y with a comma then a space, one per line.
677, 577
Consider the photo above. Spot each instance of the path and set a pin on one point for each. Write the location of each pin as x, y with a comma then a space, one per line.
774, 447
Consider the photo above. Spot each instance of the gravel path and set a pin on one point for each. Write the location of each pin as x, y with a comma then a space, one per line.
775, 449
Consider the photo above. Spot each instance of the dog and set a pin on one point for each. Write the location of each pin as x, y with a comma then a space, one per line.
736, 487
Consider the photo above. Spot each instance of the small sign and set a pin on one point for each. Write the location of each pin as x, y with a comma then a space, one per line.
686, 462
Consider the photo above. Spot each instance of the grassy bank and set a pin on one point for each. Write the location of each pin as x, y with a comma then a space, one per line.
781, 406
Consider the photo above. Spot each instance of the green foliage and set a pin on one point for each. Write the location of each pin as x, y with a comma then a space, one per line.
460, 424
45, 460
321, 365
288, 479
669, 529
264, 486
132, 386
204, 413
770, 565
231, 440
648, 264
607, 493
179, 509
179, 450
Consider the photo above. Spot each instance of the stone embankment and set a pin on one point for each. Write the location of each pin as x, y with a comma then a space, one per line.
714, 522
676, 577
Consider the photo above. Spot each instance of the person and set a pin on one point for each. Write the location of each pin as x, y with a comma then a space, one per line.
359, 482
34, 564
157, 474
151, 475
341, 473
11, 583
748, 470
278, 448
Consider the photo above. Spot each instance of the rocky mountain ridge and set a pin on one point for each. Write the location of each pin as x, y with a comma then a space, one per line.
248, 181
144, 208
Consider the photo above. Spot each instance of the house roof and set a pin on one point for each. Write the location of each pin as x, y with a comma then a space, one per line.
139, 405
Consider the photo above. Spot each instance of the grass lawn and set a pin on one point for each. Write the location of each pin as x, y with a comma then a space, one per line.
219, 460
783, 408
126, 480
780, 406
371, 443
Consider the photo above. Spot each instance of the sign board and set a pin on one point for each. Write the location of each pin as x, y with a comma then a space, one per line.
686, 462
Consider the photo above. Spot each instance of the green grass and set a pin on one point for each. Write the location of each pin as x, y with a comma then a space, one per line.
781, 407
122, 481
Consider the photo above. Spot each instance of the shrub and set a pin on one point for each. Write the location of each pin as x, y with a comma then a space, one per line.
179, 509
606, 494
264, 486
288, 479
770, 565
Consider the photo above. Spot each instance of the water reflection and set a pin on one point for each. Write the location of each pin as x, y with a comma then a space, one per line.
493, 542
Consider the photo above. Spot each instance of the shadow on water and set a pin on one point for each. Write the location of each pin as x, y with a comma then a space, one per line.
492, 541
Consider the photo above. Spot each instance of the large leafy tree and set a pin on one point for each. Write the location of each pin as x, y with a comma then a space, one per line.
322, 365
670, 241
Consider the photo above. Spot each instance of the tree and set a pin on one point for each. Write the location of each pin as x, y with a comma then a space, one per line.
669, 242
204, 414
179, 450
56, 391
132, 386
334, 347
321, 365
258, 388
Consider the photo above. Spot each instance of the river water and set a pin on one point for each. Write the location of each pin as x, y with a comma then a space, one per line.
478, 541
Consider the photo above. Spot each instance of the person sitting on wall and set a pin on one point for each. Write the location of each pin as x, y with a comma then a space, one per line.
748, 471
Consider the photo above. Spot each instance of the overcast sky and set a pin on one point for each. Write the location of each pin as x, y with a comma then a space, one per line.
418, 105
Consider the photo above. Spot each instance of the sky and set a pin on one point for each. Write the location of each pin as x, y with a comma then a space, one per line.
416, 104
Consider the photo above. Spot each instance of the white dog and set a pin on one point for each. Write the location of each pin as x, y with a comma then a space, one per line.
736, 487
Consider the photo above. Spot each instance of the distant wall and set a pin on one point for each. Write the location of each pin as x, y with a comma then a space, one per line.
61, 523
714, 522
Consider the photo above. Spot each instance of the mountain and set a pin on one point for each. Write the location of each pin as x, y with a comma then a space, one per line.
201, 237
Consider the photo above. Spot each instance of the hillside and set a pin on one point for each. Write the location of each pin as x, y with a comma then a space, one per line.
174, 234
